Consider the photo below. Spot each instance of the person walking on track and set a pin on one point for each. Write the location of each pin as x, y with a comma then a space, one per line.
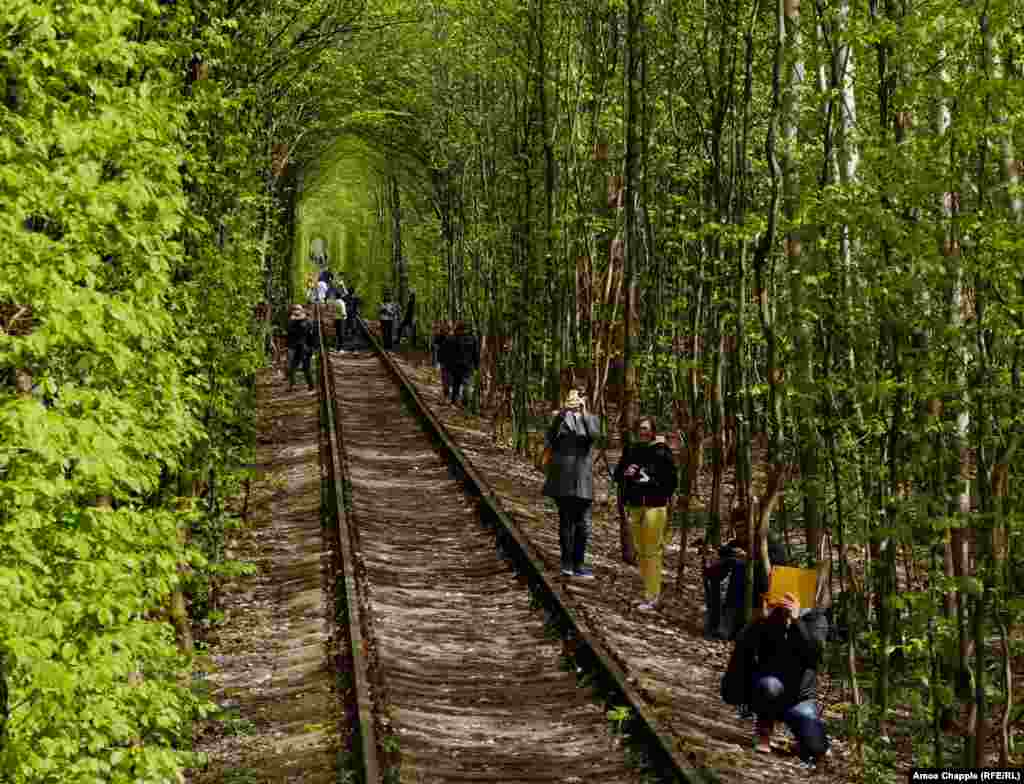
442, 332
460, 355
352, 303
301, 335
409, 320
570, 479
388, 315
339, 320
647, 475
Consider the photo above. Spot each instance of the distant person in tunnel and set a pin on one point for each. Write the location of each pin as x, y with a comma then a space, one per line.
388, 315
409, 319
570, 479
301, 335
460, 355
339, 320
442, 331
351, 311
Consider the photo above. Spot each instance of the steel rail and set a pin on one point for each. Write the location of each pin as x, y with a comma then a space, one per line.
524, 552
345, 550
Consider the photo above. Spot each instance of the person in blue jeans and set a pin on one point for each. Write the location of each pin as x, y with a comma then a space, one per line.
774, 670
731, 566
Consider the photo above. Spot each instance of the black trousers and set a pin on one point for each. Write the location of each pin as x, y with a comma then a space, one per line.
339, 332
296, 357
573, 530
387, 332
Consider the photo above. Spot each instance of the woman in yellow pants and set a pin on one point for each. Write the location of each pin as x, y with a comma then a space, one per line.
646, 474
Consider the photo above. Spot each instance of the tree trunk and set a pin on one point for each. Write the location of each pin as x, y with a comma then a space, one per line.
399, 270
694, 461
634, 48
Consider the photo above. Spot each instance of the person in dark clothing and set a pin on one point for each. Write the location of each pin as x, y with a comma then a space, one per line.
732, 565
647, 475
301, 337
352, 303
409, 320
774, 669
570, 480
442, 332
388, 314
460, 355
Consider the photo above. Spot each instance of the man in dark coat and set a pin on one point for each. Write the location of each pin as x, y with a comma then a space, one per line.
301, 338
460, 355
570, 480
352, 303
774, 670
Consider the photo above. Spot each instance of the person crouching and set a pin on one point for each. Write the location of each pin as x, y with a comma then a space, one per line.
774, 669
647, 474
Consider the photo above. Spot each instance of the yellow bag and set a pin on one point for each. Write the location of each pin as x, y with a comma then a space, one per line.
802, 583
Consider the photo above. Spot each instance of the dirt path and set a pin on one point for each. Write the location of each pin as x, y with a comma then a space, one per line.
270, 660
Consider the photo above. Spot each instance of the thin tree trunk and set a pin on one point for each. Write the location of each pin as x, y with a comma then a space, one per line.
400, 272
634, 48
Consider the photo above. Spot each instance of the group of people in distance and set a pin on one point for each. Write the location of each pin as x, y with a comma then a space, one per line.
303, 335
772, 673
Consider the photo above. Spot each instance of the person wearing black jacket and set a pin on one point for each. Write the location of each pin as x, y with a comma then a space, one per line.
647, 476
352, 303
460, 355
774, 670
301, 337
732, 564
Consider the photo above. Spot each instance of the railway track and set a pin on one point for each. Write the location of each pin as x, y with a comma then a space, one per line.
460, 672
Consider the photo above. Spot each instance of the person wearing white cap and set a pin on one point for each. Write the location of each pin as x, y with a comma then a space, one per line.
570, 479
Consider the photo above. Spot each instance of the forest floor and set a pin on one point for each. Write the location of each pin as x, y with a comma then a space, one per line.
268, 662
674, 667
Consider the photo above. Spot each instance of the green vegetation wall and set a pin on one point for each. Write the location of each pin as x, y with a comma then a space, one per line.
141, 220
92, 144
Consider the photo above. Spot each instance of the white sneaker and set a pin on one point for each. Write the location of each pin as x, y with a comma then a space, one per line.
647, 606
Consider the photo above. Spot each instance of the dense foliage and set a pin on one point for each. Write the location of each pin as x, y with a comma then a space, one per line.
789, 224
795, 225
141, 222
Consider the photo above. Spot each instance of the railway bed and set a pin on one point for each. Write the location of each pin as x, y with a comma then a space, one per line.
458, 637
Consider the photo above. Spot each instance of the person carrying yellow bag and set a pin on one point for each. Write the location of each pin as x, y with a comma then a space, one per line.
646, 473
